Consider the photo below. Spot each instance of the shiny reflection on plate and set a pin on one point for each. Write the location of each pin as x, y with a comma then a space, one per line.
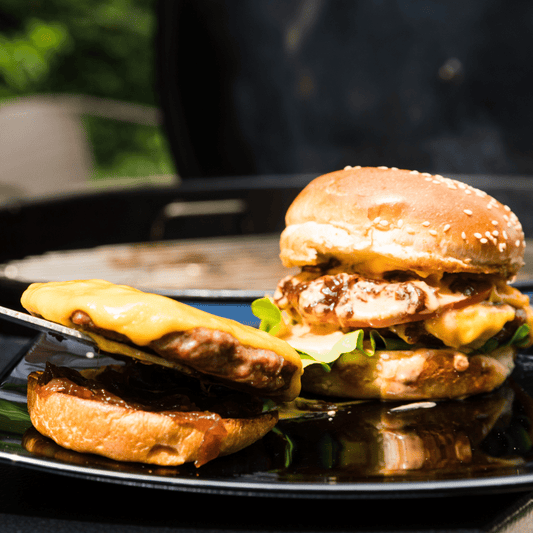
419, 440
320, 448
318, 441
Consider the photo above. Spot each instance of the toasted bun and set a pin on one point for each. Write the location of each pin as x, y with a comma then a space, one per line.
389, 219
422, 374
125, 434
145, 318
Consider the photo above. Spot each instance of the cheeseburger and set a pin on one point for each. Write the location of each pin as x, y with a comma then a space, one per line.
403, 286
191, 388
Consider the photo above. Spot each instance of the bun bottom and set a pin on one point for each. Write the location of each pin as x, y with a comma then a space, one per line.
422, 374
126, 434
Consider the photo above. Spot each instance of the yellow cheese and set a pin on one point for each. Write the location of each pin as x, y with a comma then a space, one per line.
470, 326
142, 317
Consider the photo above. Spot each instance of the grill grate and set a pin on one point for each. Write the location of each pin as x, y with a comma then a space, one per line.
234, 263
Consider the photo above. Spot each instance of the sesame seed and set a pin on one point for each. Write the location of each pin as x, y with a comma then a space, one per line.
463, 235
383, 168
348, 167
414, 172
495, 233
426, 174
483, 240
410, 230
467, 191
394, 168
502, 246
504, 233
468, 212
400, 223
432, 232
494, 222
518, 242
377, 220
447, 227
426, 223
358, 167
383, 222
478, 235
507, 208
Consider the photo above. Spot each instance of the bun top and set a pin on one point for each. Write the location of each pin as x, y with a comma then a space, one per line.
384, 219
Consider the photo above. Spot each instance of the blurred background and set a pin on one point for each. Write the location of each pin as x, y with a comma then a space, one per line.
222, 110
77, 93
147, 88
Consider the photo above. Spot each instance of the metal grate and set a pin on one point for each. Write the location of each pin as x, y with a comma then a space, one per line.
237, 263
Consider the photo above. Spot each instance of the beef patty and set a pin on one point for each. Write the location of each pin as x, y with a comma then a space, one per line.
212, 352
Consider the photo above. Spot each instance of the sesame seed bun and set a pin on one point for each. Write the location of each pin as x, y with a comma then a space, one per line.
394, 219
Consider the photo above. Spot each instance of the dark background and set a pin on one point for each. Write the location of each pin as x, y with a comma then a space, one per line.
285, 86
314, 85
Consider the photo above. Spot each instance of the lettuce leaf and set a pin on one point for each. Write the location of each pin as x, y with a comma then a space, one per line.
351, 343
520, 339
269, 314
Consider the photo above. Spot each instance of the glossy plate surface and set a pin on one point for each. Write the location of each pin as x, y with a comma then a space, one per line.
318, 449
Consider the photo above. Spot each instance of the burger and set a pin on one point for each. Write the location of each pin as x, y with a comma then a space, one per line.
401, 288
188, 386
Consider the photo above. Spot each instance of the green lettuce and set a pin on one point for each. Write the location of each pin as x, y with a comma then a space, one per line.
350, 343
269, 314
520, 339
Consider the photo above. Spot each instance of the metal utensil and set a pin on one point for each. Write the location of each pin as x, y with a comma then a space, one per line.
41, 324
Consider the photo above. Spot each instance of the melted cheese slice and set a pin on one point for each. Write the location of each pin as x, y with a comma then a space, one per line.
470, 326
142, 317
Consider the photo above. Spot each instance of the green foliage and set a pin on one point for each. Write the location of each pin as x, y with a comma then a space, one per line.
102, 48
26, 59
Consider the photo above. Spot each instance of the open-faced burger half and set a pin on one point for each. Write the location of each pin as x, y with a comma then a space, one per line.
191, 389
403, 290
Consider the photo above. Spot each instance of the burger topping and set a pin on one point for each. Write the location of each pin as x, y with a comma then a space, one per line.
470, 326
352, 301
149, 388
480, 322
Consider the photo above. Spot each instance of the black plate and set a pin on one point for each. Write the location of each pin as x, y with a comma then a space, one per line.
325, 450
